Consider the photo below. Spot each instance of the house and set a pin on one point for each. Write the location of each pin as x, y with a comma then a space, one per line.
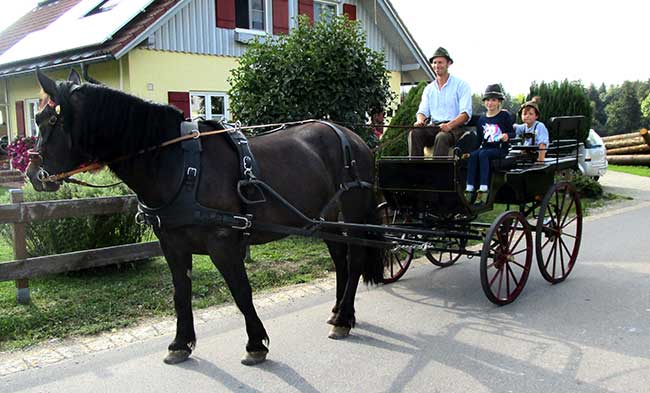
171, 51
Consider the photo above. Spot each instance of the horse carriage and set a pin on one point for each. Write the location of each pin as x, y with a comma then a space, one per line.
430, 212
203, 192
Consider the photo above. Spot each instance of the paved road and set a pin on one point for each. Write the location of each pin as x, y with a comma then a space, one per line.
432, 331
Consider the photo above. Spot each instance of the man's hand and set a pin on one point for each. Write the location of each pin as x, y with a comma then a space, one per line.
418, 124
446, 127
504, 137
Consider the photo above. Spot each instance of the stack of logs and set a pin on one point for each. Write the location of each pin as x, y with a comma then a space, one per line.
628, 149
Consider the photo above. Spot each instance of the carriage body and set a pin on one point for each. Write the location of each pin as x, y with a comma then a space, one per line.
429, 193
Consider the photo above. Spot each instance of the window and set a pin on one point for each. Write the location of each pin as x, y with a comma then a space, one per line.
324, 10
210, 106
30, 117
251, 14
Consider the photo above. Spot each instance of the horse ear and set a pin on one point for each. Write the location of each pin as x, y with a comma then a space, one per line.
48, 85
74, 77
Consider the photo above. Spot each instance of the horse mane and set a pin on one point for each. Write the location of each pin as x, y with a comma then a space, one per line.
112, 123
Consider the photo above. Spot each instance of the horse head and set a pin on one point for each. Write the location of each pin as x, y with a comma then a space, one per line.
55, 151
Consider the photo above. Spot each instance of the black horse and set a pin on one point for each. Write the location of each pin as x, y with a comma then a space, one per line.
83, 123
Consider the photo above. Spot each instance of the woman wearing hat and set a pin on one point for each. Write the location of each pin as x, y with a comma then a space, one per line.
496, 128
447, 102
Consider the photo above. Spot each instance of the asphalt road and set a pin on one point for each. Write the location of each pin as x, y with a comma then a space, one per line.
432, 331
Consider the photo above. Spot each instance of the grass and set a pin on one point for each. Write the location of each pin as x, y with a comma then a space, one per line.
633, 170
108, 298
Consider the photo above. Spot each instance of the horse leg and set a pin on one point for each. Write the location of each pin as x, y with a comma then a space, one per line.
229, 260
180, 265
338, 252
357, 206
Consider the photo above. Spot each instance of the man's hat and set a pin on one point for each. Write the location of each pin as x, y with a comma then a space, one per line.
534, 103
494, 91
441, 52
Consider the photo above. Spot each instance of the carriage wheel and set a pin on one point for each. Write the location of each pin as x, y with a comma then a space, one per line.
446, 258
397, 259
558, 232
506, 258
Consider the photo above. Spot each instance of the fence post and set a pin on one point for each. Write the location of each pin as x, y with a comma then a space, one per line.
20, 249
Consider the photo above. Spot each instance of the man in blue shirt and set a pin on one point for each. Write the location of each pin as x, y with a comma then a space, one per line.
447, 103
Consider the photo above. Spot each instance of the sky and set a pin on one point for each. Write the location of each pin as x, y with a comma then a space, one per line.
515, 42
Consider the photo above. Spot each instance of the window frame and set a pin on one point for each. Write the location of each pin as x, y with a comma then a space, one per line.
336, 3
29, 122
208, 108
268, 20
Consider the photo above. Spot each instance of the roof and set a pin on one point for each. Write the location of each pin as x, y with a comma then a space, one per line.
101, 52
37, 19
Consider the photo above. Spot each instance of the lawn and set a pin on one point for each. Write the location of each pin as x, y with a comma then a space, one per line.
633, 170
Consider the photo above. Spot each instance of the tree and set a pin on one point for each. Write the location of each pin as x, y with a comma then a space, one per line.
623, 110
317, 71
393, 142
596, 96
563, 99
645, 107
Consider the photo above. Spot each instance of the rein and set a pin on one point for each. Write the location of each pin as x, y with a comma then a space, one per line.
66, 176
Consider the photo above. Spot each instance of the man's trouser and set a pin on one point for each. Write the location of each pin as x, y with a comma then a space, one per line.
443, 142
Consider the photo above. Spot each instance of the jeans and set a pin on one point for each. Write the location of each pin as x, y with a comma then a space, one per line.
480, 160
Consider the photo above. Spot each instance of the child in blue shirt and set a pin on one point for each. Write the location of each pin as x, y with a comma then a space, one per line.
496, 128
529, 113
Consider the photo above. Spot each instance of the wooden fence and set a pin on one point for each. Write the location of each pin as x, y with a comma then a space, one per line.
20, 213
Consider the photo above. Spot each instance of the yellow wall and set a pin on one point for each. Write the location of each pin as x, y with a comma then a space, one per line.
154, 73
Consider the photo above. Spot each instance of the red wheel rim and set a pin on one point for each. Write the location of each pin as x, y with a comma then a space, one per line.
397, 259
559, 232
506, 258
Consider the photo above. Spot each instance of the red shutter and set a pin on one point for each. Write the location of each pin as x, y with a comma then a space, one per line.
225, 13
350, 10
306, 7
181, 100
280, 16
20, 117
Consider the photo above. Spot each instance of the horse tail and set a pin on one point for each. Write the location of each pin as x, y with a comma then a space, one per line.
373, 264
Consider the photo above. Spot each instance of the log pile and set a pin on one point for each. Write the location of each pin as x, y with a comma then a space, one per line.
628, 149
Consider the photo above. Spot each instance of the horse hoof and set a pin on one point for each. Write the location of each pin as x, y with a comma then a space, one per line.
339, 332
174, 357
331, 319
253, 358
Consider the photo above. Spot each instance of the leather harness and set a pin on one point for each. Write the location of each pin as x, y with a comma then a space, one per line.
184, 208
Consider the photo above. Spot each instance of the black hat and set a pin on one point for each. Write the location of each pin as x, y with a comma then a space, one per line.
493, 91
441, 52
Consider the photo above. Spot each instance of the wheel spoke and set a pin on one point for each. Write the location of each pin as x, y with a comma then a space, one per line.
566, 248
550, 254
514, 278
500, 281
561, 258
555, 247
495, 275
570, 221
569, 235
520, 265
567, 213
517, 243
519, 252
548, 239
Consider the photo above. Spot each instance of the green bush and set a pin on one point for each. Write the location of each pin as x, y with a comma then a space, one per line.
80, 233
394, 140
587, 187
317, 71
563, 99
